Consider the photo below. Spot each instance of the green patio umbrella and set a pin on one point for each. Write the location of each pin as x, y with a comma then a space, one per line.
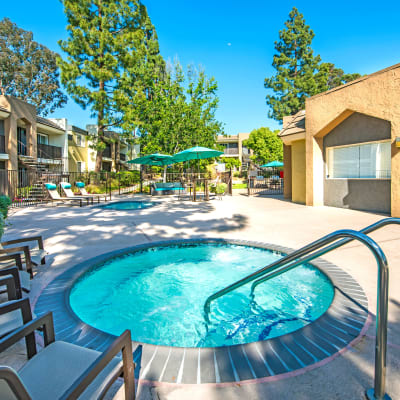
272, 164
196, 153
157, 159
154, 159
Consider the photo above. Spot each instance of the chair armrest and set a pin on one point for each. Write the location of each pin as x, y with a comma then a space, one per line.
37, 239
21, 304
9, 283
14, 382
28, 329
122, 343
27, 253
12, 271
12, 256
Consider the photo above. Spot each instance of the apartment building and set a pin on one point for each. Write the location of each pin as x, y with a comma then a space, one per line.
28, 141
233, 147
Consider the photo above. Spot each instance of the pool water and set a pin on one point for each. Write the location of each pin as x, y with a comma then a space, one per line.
159, 295
128, 205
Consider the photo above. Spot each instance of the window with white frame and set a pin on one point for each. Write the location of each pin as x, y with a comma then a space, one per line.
365, 161
80, 166
80, 141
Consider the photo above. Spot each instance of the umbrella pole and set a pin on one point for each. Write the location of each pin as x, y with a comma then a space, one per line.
165, 174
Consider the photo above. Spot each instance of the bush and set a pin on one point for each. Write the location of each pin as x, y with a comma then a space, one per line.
236, 174
94, 189
220, 188
5, 202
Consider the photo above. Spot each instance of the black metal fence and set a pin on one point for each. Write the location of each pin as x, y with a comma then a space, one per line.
27, 187
269, 182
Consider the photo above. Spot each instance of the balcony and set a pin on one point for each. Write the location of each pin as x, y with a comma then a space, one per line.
48, 152
107, 152
122, 156
2, 144
232, 152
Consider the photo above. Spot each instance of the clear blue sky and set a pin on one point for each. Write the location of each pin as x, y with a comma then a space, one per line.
234, 42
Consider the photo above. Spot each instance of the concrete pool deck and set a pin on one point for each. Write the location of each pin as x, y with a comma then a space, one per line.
74, 234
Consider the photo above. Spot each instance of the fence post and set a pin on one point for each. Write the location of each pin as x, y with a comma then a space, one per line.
248, 186
119, 184
194, 189
141, 179
206, 189
230, 185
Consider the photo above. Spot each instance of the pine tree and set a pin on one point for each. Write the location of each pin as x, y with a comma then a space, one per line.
28, 70
109, 46
299, 73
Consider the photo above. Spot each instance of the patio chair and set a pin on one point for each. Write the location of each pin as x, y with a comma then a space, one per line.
83, 192
22, 276
10, 276
56, 198
66, 188
63, 370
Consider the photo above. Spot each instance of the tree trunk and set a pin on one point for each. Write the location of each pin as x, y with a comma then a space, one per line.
100, 134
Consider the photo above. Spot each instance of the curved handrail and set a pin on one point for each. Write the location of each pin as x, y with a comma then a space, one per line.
293, 256
378, 392
319, 253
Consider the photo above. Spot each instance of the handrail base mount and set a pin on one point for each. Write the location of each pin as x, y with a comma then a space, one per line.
371, 395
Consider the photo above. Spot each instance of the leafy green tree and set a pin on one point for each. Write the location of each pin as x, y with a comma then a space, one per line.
230, 162
28, 70
265, 144
181, 113
299, 72
109, 46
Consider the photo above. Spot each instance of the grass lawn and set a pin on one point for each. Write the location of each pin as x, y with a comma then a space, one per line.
239, 186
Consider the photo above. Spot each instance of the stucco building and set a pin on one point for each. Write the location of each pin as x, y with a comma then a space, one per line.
233, 147
341, 150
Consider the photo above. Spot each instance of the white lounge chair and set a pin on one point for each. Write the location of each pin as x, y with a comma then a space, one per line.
83, 192
56, 198
66, 188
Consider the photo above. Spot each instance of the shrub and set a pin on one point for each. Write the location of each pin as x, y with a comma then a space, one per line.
94, 189
5, 202
220, 188
236, 174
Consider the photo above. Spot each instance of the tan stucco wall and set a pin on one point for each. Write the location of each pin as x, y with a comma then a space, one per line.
287, 171
21, 114
298, 161
376, 95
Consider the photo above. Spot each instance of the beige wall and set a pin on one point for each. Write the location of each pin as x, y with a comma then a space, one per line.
376, 95
24, 115
298, 161
287, 171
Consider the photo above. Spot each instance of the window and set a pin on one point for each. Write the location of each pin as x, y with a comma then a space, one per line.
80, 141
2, 132
80, 166
367, 161
70, 137
42, 139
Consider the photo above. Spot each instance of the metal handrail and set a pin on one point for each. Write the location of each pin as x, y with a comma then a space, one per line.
318, 253
293, 256
378, 391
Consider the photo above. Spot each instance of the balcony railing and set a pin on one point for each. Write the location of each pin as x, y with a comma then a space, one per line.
2, 144
49, 152
231, 151
21, 148
122, 156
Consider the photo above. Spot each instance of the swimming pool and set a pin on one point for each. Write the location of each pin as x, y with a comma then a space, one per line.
128, 205
159, 294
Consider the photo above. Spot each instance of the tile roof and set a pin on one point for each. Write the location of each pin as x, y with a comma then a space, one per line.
296, 125
45, 121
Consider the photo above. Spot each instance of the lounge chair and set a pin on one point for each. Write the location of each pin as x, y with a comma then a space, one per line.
66, 188
56, 198
63, 370
83, 192
163, 188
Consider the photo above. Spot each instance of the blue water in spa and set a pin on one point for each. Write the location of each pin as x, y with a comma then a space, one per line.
159, 295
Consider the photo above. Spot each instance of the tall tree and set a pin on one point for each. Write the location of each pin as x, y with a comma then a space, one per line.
299, 73
107, 47
181, 113
265, 144
28, 70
